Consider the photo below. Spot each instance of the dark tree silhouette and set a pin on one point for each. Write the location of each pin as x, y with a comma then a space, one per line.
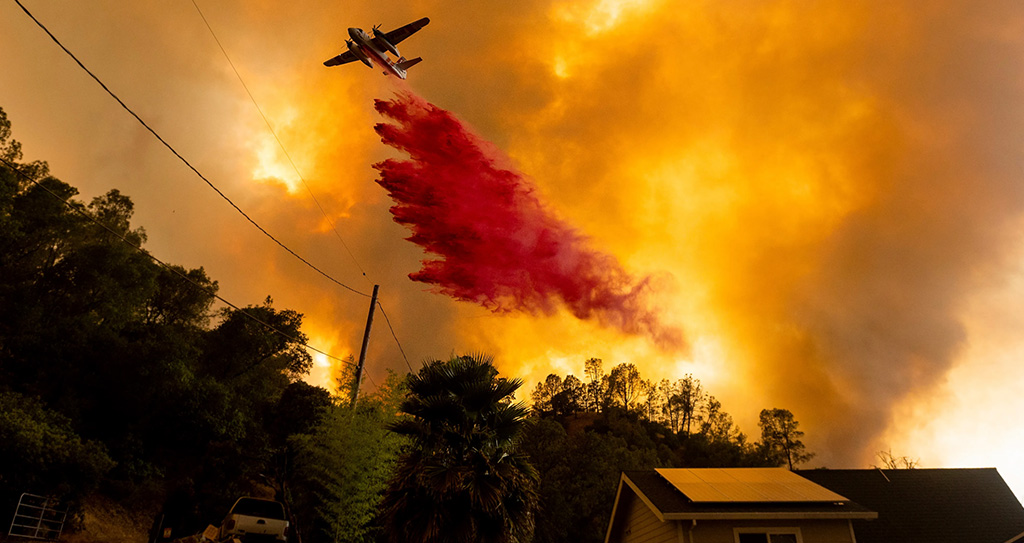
780, 439
463, 478
891, 461
117, 365
625, 384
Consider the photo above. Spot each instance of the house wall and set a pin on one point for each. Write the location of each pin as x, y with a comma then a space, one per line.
811, 531
639, 525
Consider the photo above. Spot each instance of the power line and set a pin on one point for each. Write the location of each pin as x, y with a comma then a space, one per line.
279, 143
298, 173
186, 162
214, 187
13, 167
388, 321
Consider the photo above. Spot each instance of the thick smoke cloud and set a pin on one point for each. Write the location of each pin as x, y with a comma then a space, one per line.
497, 244
835, 186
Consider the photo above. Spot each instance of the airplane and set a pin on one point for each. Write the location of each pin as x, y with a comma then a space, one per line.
368, 50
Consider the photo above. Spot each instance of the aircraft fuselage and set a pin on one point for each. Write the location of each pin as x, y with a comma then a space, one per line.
364, 43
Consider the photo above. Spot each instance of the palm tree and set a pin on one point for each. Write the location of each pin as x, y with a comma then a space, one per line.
462, 479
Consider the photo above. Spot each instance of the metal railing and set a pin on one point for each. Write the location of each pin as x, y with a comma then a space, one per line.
37, 517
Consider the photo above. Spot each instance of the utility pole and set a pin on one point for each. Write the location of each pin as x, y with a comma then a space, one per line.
362, 351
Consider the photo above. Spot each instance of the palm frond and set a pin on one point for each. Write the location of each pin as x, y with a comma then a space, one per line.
462, 479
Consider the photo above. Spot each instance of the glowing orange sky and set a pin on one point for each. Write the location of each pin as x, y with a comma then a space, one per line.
830, 193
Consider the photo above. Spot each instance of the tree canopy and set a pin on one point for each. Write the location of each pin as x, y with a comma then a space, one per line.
584, 434
780, 438
119, 374
463, 477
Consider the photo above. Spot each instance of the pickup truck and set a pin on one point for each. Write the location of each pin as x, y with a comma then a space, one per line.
255, 520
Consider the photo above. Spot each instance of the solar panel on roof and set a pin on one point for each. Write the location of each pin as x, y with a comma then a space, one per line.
750, 485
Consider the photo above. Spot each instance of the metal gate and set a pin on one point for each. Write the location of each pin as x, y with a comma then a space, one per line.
37, 517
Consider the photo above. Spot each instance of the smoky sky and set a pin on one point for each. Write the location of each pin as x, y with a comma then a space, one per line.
829, 184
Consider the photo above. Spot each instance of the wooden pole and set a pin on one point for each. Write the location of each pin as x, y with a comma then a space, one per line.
362, 351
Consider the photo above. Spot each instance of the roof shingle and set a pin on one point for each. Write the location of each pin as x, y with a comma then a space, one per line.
928, 505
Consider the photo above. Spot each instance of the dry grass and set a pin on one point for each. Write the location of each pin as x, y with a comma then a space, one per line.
108, 522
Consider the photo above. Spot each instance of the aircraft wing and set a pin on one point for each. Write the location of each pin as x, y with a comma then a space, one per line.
400, 34
343, 58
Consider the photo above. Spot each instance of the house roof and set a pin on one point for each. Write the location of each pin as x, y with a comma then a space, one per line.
746, 485
669, 503
929, 505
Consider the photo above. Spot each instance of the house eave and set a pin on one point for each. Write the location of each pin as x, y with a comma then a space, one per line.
643, 497
772, 515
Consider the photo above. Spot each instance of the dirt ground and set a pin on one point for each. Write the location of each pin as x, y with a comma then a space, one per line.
107, 522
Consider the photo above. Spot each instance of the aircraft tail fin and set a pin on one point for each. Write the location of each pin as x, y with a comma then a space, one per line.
406, 64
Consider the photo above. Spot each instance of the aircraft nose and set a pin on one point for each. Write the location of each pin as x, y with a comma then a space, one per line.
352, 32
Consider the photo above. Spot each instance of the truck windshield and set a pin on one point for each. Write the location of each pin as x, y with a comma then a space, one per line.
252, 507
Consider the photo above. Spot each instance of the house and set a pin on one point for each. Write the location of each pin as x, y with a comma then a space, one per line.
929, 505
737, 505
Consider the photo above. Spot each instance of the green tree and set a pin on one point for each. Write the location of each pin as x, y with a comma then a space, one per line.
463, 478
242, 346
121, 362
342, 466
579, 475
41, 453
233, 407
780, 438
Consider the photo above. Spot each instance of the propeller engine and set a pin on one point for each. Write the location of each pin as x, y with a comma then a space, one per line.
358, 52
382, 37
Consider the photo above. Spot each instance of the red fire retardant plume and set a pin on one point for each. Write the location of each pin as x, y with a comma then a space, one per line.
496, 243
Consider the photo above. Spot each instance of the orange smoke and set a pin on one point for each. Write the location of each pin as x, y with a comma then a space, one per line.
830, 184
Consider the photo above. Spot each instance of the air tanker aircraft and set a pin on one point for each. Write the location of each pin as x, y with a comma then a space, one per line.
369, 50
